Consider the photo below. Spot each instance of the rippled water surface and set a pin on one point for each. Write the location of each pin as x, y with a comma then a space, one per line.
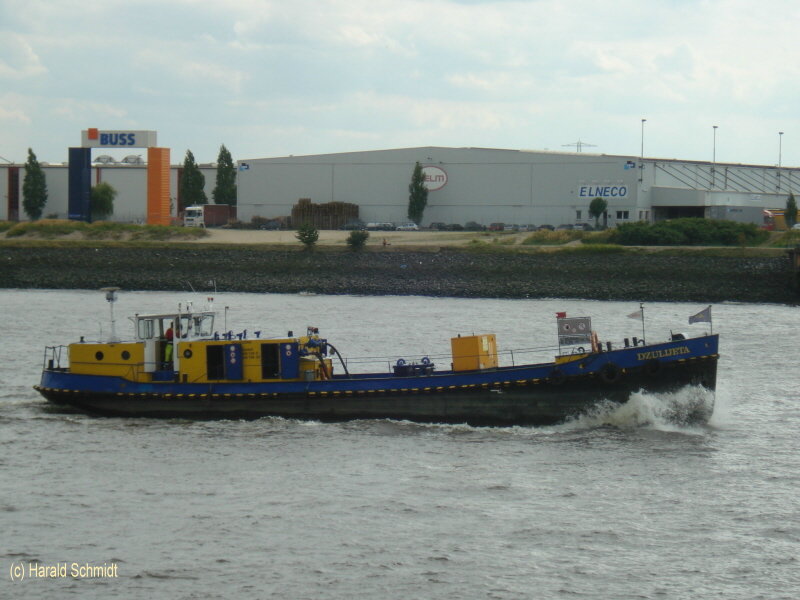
623, 504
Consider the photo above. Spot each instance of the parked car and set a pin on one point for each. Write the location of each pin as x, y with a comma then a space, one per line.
354, 225
273, 225
408, 227
565, 227
438, 225
583, 227
497, 226
380, 226
545, 227
796, 226
474, 226
455, 227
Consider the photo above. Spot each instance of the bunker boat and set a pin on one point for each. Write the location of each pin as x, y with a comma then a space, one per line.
179, 366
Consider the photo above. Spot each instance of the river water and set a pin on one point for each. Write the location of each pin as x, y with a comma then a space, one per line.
624, 504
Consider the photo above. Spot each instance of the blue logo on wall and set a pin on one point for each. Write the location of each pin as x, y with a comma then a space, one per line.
603, 191
117, 139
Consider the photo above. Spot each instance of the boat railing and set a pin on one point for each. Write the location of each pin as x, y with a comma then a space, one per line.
52, 357
505, 358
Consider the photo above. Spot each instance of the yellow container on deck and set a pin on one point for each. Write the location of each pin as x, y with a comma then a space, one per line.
474, 352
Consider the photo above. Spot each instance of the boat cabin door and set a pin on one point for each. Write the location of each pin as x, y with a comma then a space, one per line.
158, 335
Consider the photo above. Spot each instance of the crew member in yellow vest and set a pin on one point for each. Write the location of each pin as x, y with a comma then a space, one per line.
168, 347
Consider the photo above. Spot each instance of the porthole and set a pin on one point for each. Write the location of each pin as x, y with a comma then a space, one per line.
187, 353
98, 355
125, 355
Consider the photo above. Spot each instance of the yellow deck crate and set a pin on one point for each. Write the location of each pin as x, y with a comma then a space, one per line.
474, 352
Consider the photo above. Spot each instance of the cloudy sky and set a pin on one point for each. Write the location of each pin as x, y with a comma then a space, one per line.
279, 77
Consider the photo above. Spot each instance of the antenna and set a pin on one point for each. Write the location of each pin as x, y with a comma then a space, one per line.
111, 297
579, 145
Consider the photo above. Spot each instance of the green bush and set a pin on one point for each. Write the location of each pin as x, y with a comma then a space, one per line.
166, 232
46, 228
545, 237
785, 239
102, 230
357, 239
308, 235
597, 238
598, 248
688, 232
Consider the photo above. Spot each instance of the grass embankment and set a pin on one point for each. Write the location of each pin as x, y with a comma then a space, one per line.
100, 230
713, 238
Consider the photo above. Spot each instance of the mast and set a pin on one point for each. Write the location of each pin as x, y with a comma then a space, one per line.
111, 297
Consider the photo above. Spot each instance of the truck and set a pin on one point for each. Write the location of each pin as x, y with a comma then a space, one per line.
208, 215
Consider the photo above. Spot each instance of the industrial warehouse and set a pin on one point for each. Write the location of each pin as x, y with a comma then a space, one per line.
480, 185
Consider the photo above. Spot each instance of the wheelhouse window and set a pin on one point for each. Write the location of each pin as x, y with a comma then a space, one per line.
204, 325
145, 329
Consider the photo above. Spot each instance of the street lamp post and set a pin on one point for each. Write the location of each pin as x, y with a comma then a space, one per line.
780, 147
641, 154
714, 158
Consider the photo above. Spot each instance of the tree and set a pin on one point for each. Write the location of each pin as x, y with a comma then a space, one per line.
225, 189
102, 201
790, 215
597, 208
192, 182
417, 195
357, 239
34, 188
308, 235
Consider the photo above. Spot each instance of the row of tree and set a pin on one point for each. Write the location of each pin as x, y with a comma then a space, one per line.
192, 192
34, 186
193, 181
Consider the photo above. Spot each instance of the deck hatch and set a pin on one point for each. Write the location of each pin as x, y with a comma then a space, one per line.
224, 361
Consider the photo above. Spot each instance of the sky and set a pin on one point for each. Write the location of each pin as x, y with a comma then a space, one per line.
296, 77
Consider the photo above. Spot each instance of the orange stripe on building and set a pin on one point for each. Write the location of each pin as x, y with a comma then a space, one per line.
158, 209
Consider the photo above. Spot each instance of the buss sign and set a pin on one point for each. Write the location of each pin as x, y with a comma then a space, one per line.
98, 138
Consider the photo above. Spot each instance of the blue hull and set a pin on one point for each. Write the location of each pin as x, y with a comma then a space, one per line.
522, 395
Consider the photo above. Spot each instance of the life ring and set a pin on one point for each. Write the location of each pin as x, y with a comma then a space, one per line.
425, 360
401, 362
556, 376
579, 350
610, 373
652, 366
